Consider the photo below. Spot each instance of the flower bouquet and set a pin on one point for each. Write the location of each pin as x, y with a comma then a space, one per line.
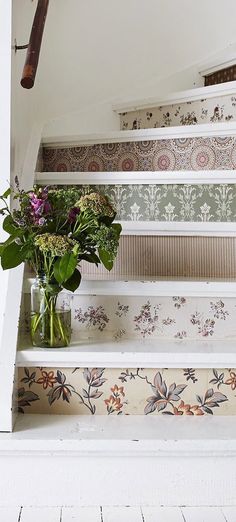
53, 230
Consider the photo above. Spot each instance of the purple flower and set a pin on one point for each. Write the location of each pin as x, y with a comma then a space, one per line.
73, 214
39, 204
41, 221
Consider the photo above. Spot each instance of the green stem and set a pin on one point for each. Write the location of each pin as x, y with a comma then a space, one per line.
51, 314
62, 331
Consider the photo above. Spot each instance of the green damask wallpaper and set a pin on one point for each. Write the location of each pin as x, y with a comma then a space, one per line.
170, 202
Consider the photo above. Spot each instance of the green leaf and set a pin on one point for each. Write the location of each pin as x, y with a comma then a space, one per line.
91, 258
74, 281
117, 228
65, 267
105, 258
12, 256
9, 226
10, 240
6, 193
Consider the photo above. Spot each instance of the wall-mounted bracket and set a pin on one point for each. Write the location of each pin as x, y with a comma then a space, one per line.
19, 47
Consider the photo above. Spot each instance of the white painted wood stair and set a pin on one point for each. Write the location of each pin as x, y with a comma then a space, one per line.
66, 460
145, 353
127, 460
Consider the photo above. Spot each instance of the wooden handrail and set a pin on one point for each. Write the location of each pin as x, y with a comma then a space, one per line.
32, 57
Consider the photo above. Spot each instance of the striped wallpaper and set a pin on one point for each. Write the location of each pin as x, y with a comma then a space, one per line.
154, 256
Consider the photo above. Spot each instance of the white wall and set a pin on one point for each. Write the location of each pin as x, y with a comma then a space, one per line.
26, 111
18, 108
95, 53
103, 51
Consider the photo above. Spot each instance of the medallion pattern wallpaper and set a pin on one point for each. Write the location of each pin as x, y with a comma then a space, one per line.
155, 155
208, 110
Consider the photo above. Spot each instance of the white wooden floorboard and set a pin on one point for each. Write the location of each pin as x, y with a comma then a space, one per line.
10, 514
39, 514
203, 514
229, 513
121, 514
81, 514
162, 514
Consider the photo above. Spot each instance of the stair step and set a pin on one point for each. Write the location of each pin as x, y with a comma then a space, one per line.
207, 105
106, 460
160, 286
195, 131
179, 97
157, 353
201, 148
123, 435
185, 113
151, 209
135, 178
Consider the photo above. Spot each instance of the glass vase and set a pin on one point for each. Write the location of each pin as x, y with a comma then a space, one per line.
50, 314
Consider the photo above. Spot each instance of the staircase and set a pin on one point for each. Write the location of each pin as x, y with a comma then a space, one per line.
154, 340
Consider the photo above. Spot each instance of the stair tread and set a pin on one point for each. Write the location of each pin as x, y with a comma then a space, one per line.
201, 130
135, 433
159, 286
153, 353
183, 96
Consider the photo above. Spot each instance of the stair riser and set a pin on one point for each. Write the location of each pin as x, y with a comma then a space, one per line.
205, 153
125, 317
209, 110
165, 203
122, 391
151, 256
116, 478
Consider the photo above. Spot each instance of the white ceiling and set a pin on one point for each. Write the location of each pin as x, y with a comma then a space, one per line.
97, 51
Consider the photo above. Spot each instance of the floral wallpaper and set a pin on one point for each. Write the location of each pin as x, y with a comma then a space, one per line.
154, 155
169, 202
116, 318
228, 74
126, 391
208, 110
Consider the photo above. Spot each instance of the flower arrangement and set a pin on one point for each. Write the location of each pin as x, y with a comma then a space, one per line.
53, 230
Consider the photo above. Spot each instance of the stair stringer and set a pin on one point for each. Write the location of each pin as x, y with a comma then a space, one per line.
9, 334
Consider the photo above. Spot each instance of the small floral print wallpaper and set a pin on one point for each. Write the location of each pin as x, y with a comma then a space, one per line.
155, 155
116, 318
208, 110
169, 202
135, 391
126, 391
